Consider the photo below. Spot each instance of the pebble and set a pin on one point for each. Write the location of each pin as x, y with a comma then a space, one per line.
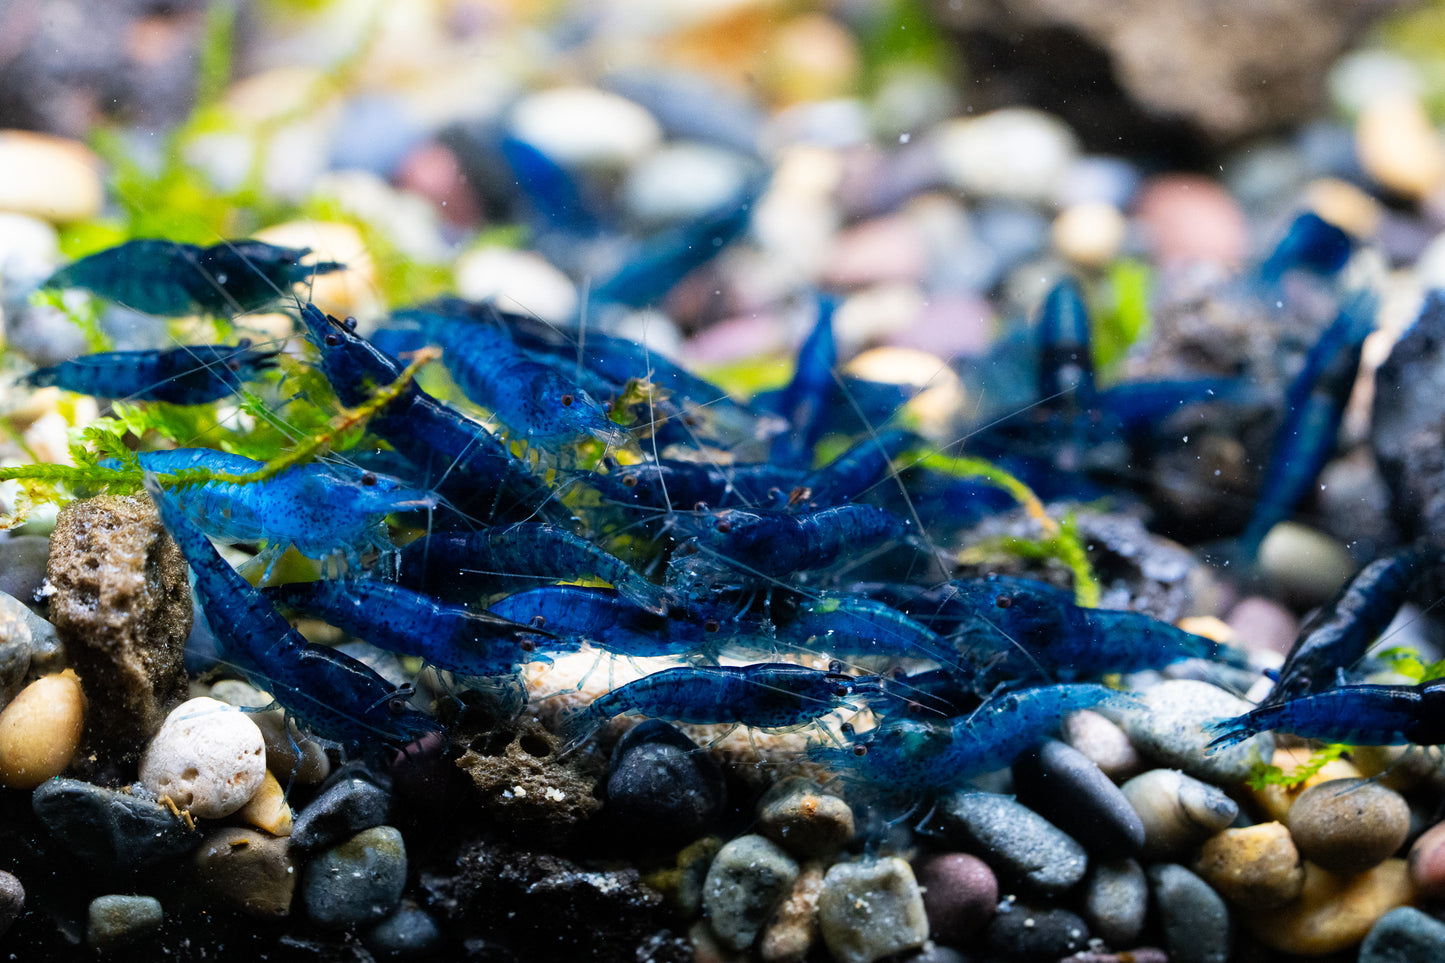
248, 870
346, 805
1016, 153
1399, 148
586, 127
116, 921
349, 291
40, 730
960, 893
52, 178
793, 931
1349, 825
1034, 934
267, 809
208, 758
375, 131
810, 58
1178, 811
1261, 623
1089, 234
662, 787
1255, 866
23, 571
880, 250
1304, 565
1277, 800
12, 901
748, 878
1404, 935
1098, 179
29, 252
1188, 218
811, 824
433, 171
284, 741
1427, 862
1103, 742
1195, 920
1016, 841
1065, 787
1116, 901
17, 640
409, 932
109, 827
1168, 725
871, 909
1334, 912
682, 181
517, 281
357, 882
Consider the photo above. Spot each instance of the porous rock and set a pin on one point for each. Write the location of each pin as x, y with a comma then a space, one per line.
522, 780
122, 608
208, 758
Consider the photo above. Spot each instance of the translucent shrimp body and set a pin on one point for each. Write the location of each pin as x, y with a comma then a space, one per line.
1357, 715
191, 375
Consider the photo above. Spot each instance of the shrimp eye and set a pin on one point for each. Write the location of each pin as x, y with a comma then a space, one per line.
527, 645
1004, 601
369, 479
629, 481
835, 667
841, 689
860, 751
349, 324
567, 400
396, 706
539, 622
233, 365
332, 340
724, 526
699, 506
711, 625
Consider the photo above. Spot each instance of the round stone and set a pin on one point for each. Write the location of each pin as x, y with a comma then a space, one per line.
357, 882
115, 921
52, 178
871, 909
1104, 743
1334, 912
12, 900
1023, 932
110, 829
208, 758
409, 933
660, 783
349, 803
40, 730
1404, 935
793, 931
1089, 234
291, 755
748, 878
797, 815
585, 126
1349, 825
1399, 148
1116, 901
1178, 811
960, 893
1427, 862
1276, 800
1169, 725
1188, 218
1257, 866
1195, 919
1016, 153
247, 870
1066, 788
1017, 842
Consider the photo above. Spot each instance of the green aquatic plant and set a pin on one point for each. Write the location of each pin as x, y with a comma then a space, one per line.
1262, 774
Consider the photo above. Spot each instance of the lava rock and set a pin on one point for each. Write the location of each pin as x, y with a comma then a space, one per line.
960, 893
357, 882
1068, 789
1349, 825
748, 878
811, 824
871, 909
1195, 919
1116, 901
662, 787
110, 830
248, 870
348, 803
552, 791
115, 921
122, 608
1016, 841
1404, 935
1033, 934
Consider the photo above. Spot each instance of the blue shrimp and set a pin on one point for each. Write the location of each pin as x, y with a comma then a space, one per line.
457, 457
332, 694
804, 399
1357, 715
461, 560
1314, 408
532, 396
605, 619
853, 627
1340, 633
860, 468
776, 544
664, 482
172, 279
768, 695
913, 754
400, 620
319, 508
551, 192
191, 375
1311, 244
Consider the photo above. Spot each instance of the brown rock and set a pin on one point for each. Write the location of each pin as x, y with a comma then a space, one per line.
522, 781
248, 870
1257, 866
122, 609
1277, 800
40, 730
798, 816
1333, 912
1427, 862
793, 931
1349, 825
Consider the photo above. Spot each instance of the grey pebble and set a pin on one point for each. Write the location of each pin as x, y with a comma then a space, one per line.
409, 932
1169, 725
1404, 935
1016, 841
748, 878
1116, 901
346, 805
1194, 917
110, 829
661, 785
1064, 786
12, 900
871, 909
1028, 933
114, 921
358, 881
1178, 811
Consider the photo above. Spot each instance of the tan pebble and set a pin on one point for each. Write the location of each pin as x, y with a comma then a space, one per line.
1333, 912
1398, 147
1349, 825
267, 810
52, 178
1427, 862
1178, 811
809, 823
1257, 866
1106, 745
1277, 800
208, 758
351, 291
940, 392
811, 57
1209, 627
250, 870
794, 928
1344, 205
40, 730
1089, 234
1399, 767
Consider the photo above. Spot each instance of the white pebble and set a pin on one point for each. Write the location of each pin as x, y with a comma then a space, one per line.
1016, 153
586, 126
1089, 234
208, 757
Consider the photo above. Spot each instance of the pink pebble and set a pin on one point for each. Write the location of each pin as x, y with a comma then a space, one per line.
960, 894
433, 171
1427, 863
883, 249
1188, 218
1263, 624
950, 326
